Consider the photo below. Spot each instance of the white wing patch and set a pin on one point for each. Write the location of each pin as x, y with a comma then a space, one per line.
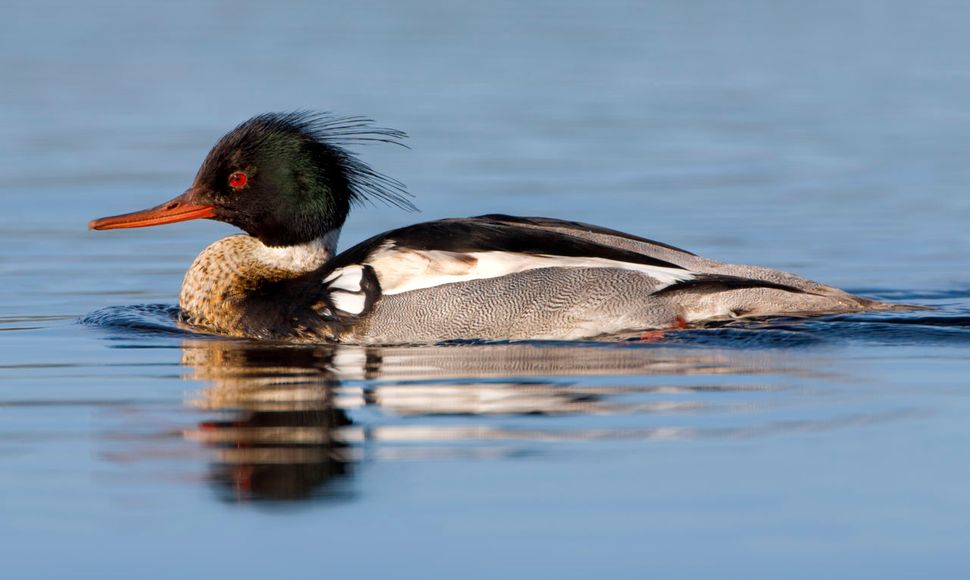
403, 270
347, 278
345, 289
349, 302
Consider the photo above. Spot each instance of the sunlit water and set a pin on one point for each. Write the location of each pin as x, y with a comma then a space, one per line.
825, 138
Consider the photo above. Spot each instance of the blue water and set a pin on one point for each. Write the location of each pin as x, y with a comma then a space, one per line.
826, 138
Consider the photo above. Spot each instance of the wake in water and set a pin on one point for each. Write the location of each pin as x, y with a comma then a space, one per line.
947, 322
139, 319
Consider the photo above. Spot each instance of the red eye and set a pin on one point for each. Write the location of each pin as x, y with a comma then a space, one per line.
238, 180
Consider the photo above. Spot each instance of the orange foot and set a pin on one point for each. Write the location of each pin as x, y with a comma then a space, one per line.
658, 335
652, 335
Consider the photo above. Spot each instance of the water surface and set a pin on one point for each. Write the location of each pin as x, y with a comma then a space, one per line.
825, 138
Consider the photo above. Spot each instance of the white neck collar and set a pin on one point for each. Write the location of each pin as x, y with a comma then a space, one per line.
301, 257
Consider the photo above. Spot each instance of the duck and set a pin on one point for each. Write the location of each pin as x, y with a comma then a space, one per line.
288, 181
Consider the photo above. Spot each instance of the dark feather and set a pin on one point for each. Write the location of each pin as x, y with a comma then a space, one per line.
720, 283
487, 235
334, 132
543, 222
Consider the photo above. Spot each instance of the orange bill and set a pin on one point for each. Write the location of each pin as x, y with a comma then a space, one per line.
179, 209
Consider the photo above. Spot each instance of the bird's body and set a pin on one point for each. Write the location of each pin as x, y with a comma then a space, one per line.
437, 281
488, 277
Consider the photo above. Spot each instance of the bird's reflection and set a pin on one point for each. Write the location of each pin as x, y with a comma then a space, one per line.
280, 437
290, 422
286, 429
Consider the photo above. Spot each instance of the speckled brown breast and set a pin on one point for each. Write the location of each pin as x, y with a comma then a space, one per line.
230, 290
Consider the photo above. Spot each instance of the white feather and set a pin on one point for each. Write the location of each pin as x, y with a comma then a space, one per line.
346, 288
403, 270
301, 257
347, 278
349, 302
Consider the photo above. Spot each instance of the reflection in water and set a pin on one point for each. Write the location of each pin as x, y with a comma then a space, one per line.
282, 440
295, 418
277, 454
287, 421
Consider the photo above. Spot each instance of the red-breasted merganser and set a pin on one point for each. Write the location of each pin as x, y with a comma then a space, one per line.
288, 182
